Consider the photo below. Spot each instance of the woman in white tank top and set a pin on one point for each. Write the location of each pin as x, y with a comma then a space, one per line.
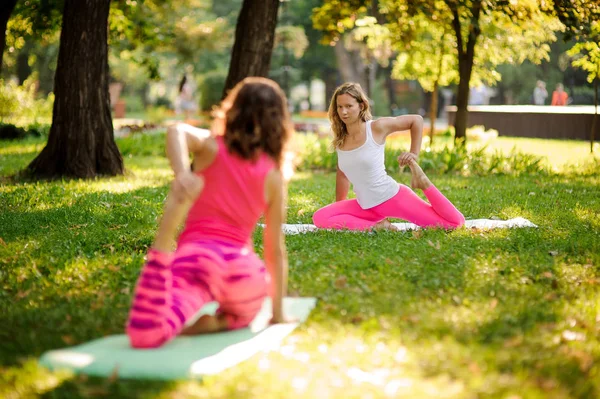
359, 143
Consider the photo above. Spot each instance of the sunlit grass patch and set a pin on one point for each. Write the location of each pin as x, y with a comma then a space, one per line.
427, 314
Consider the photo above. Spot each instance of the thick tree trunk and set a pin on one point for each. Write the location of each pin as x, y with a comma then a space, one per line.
433, 110
462, 99
465, 65
81, 142
6, 9
254, 39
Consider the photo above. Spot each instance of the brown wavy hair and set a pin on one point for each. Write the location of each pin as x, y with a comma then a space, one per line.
340, 132
254, 118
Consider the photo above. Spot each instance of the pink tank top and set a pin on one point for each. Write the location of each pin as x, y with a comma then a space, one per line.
232, 201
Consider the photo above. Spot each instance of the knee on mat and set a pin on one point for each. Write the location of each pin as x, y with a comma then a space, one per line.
319, 218
458, 223
145, 339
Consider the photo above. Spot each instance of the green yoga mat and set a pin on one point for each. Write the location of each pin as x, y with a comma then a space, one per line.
184, 357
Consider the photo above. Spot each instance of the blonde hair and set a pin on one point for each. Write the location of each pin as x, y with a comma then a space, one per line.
340, 132
254, 117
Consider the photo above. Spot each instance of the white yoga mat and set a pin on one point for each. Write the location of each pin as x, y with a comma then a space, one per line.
484, 224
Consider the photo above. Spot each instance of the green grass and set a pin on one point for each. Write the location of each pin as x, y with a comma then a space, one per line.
462, 314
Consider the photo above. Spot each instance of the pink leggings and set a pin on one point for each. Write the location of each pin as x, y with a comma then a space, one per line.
404, 205
172, 288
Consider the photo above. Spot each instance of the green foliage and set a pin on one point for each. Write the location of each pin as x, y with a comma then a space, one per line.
157, 114
292, 38
578, 16
20, 103
586, 55
142, 145
211, 87
314, 153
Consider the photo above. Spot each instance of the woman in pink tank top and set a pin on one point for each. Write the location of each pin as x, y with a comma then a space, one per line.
359, 142
236, 178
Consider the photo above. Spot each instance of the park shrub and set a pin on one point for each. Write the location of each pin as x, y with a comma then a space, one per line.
20, 105
211, 88
142, 145
12, 132
315, 153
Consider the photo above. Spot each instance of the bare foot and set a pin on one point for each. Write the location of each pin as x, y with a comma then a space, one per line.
419, 178
206, 324
385, 225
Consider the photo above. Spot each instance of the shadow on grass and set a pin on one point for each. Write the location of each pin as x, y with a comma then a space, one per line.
429, 285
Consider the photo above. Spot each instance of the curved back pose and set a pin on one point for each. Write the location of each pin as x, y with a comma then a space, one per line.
359, 142
236, 178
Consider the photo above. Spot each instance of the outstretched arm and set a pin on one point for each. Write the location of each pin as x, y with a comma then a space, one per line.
274, 243
383, 127
342, 185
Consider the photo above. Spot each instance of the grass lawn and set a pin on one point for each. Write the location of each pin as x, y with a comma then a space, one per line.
429, 314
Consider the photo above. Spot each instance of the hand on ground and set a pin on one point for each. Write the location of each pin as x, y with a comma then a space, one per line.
282, 319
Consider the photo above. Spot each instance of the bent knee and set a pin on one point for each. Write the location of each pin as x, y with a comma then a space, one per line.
459, 222
319, 218
145, 339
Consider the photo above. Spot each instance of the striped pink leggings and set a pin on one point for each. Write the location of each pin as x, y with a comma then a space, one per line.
405, 205
173, 287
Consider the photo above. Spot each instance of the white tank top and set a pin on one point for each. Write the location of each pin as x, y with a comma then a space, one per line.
365, 169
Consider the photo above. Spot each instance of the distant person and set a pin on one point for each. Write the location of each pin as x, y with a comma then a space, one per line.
560, 96
477, 95
185, 99
540, 93
359, 142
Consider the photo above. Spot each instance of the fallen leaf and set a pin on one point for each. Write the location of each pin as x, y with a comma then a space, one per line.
547, 384
493, 303
436, 245
514, 341
416, 234
23, 294
474, 368
301, 212
553, 253
114, 376
341, 282
67, 339
547, 275
2, 242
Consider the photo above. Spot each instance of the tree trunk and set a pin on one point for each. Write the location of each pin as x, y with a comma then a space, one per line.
462, 99
331, 79
23, 68
433, 110
350, 66
465, 65
254, 39
6, 10
81, 142
389, 85
593, 132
